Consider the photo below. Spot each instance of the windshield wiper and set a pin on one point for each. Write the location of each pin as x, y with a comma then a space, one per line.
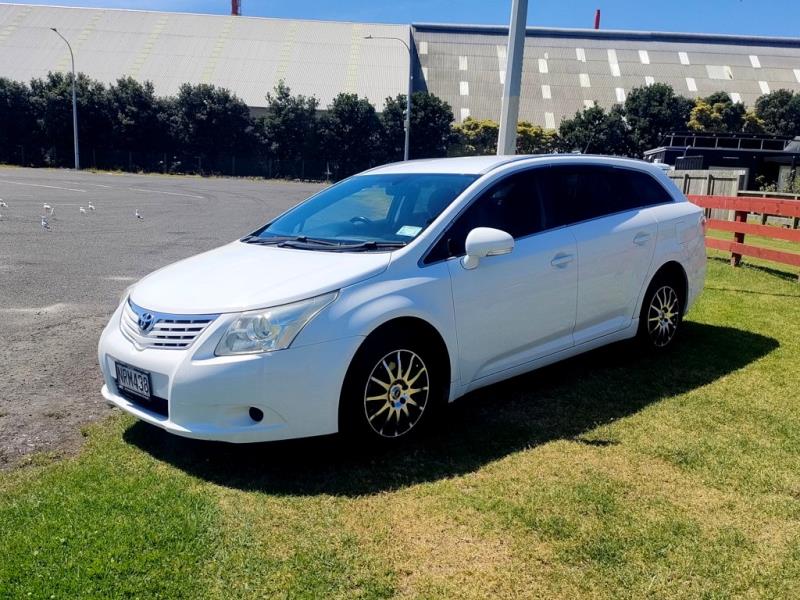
370, 245
280, 240
302, 242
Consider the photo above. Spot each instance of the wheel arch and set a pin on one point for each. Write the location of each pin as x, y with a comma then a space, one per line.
421, 327
674, 271
405, 324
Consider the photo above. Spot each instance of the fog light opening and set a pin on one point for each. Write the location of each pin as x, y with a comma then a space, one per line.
256, 414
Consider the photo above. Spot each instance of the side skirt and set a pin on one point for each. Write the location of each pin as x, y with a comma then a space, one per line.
457, 390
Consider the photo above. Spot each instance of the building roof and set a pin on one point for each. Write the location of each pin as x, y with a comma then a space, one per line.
247, 55
568, 69
564, 69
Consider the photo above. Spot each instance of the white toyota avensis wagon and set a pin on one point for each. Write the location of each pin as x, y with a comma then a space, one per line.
368, 307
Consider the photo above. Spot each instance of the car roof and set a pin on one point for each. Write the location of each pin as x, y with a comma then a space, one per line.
466, 165
481, 165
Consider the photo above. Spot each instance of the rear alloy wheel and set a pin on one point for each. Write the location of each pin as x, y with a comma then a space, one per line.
661, 315
396, 393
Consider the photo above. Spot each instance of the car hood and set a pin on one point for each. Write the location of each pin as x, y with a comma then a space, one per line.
242, 276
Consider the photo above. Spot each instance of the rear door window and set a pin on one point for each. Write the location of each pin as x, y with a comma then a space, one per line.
576, 193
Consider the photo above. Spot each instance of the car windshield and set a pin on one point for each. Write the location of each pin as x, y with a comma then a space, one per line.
365, 212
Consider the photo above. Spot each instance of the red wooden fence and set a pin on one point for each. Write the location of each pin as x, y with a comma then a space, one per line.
743, 206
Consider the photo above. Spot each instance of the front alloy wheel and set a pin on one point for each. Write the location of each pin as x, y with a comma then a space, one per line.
663, 316
396, 393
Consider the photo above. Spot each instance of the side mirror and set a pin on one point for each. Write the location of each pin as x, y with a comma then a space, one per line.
485, 241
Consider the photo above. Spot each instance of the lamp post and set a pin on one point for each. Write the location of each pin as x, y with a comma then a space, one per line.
410, 89
74, 102
509, 112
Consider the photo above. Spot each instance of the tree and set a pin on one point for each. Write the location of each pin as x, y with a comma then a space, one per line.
16, 120
533, 139
752, 123
51, 100
780, 112
351, 134
717, 113
289, 129
134, 113
431, 126
475, 137
210, 122
595, 131
653, 111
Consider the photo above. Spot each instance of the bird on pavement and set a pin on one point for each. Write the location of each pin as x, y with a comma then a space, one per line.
91, 206
138, 216
82, 210
3, 204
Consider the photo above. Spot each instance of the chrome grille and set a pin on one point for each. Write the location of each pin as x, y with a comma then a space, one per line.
168, 332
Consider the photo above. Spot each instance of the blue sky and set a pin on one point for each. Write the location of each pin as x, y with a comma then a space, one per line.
755, 17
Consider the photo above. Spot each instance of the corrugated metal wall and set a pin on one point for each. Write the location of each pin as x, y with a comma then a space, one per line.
565, 71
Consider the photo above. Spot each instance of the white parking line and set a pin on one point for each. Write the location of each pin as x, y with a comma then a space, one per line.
167, 193
52, 187
57, 307
87, 183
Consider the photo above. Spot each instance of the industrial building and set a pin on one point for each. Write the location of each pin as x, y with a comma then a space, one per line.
564, 69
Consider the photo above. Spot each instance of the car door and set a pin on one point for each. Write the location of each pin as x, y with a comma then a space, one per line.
517, 307
615, 237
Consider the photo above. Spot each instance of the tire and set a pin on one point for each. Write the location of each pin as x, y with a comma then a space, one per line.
395, 387
661, 317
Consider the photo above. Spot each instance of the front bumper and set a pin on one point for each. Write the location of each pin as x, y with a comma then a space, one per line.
209, 397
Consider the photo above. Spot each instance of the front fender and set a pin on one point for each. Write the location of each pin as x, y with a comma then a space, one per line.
362, 308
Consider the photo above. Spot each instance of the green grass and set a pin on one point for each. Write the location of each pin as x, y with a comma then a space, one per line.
612, 475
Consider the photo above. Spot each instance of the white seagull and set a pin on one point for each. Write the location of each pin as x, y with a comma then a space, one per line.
91, 206
44, 224
82, 210
3, 204
138, 216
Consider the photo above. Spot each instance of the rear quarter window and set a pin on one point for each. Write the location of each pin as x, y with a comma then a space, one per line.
644, 189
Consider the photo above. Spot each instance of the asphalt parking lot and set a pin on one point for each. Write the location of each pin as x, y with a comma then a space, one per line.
59, 286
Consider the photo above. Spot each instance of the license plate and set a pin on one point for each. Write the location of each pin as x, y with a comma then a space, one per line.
133, 380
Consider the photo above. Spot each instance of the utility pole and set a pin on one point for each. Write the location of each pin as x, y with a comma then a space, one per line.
407, 144
507, 140
74, 104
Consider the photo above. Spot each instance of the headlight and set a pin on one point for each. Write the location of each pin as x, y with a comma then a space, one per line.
270, 329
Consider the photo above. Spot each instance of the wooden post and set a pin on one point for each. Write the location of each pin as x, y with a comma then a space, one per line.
740, 216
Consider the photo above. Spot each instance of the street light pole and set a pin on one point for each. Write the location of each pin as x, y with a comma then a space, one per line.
74, 103
407, 145
507, 139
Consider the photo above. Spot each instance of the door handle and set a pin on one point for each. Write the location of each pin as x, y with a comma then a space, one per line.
641, 239
561, 260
